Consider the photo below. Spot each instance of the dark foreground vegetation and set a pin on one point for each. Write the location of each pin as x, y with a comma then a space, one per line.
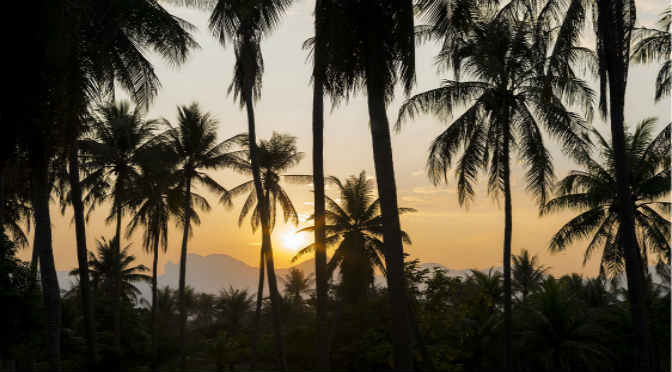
567, 323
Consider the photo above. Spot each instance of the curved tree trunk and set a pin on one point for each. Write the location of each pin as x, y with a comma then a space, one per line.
155, 304
183, 273
82, 259
40, 190
321, 275
615, 37
257, 312
266, 231
387, 191
508, 222
116, 305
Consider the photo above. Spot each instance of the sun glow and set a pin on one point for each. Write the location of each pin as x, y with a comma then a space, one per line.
293, 241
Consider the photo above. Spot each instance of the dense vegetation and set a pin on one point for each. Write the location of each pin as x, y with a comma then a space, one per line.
519, 77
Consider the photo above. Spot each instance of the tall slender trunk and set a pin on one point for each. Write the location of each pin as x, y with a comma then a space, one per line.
257, 312
387, 190
116, 305
321, 275
40, 190
617, 47
266, 231
183, 273
34, 260
508, 222
155, 303
82, 259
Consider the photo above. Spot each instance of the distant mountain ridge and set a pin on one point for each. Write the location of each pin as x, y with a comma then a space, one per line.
214, 272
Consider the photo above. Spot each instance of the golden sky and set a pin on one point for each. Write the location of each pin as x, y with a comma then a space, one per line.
441, 230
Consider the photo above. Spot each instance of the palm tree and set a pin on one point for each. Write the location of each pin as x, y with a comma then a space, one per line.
102, 60
593, 192
559, 335
155, 200
106, 265
527, 274
195, 146
233, 306
515, 94
355, 227
654, 45
377, 51
111, 153
245, 23
274, 157
297, 283
613, 24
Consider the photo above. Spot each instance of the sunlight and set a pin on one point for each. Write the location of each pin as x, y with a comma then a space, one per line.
293, 241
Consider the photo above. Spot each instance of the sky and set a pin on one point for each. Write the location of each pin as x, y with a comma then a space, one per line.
441, 230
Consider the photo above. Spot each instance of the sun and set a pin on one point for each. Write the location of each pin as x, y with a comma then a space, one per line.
293, 241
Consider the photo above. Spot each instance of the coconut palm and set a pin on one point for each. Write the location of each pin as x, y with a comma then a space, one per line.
593, 192
111, 154
509, 102
527, 274
355, 227
101, 61
297, 284
613, 25
560, 336
106, 265
654, 45
233, 306
196, 149
274, 157
245, 23
377, 52
154, 201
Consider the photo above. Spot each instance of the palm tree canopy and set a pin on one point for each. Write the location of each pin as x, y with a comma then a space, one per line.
297, 284
275, 156
354, 225
654, 45
527, 273
112, 152
156, 197
593, 192
194, 144
104, 267
516, 89
115, 37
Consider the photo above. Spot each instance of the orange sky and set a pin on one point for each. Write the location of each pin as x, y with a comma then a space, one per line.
442, 232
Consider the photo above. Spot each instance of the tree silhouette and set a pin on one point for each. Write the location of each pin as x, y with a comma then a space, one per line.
527, 274
112, 152
195, 146
155, 200
593, 192
516, 93
654, 45
355, 227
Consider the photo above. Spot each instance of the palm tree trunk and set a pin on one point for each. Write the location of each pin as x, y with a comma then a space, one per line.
40, 191
508, 222
257, 313
266, 231
387, 190
117, 288
183, 273
155, 298
82, 259
617, 49
321, 276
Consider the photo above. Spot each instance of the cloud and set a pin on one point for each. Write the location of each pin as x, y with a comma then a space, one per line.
431, 190
418, 172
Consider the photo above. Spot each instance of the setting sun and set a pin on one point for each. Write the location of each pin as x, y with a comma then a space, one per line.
294, 241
